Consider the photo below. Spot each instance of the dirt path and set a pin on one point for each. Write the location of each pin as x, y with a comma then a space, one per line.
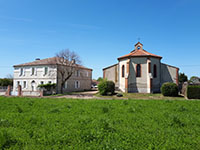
84, 95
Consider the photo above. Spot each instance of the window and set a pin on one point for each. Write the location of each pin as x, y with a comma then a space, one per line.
77, 73
49, 82
77, 84
18, 83
87, 74
149, 67
66, 85
123, 71
32, 71
45, 70
138, 47
33, 85
21, 71
42, 82
24, 84
138, 70
154, 71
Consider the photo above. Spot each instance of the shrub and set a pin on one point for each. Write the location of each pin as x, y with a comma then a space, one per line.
106, 87
47, 86
193, 91
169, 89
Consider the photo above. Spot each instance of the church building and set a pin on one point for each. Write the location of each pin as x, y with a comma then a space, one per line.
140, 72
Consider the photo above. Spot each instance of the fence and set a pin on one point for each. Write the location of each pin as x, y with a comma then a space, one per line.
3, 90
8, 91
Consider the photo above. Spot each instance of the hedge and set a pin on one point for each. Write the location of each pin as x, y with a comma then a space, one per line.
169, 89
193, 92
106, 87
47, 86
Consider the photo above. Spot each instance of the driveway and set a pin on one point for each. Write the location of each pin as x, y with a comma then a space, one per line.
81, 95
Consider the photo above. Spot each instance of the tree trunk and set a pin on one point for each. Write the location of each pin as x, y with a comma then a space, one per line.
62, 86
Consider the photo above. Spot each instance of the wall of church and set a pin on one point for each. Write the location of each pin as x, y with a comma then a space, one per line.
138, 84
168, 73
156, 80
122, 79
111, 73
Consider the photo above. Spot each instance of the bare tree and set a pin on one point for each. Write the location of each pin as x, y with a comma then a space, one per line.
9, 76
68, 61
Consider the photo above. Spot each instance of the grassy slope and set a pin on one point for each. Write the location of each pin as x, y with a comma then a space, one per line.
33, 123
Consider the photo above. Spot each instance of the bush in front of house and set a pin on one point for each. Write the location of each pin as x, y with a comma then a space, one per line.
169, 89
106, 87
193, 92
47, 86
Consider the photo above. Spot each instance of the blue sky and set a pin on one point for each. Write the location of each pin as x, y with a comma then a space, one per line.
100, 31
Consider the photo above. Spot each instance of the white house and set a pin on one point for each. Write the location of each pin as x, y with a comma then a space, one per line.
140, 71
30, 75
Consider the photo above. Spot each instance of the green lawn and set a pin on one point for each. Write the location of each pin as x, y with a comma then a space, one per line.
143, 96
35, 123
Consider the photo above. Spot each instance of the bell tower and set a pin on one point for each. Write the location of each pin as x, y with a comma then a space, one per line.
139, 46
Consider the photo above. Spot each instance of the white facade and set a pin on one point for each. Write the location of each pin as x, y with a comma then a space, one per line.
31, 75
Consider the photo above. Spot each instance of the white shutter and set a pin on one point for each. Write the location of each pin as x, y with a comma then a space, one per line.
66, 85
23, 71
35, 71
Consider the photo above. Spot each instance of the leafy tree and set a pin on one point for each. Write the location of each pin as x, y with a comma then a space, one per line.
182, 78
100, 79
6, 82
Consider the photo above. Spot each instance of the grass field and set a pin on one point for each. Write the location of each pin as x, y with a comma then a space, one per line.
37, 124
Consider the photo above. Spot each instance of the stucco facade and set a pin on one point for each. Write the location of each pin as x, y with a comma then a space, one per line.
30, 75
152, 73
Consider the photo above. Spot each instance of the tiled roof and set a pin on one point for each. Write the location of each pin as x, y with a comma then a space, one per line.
47, 61
139, 53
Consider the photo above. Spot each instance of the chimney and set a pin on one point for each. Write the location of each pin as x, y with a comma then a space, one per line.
73, 61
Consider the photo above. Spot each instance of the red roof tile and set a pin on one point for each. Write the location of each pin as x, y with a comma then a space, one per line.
139, 53
47, 61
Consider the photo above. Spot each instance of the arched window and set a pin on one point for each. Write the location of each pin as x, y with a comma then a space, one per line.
154, 71
138, 70
123, 71
149, 67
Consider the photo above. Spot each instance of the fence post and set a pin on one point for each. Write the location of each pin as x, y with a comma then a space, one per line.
41, 93
8, 91
19, 90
